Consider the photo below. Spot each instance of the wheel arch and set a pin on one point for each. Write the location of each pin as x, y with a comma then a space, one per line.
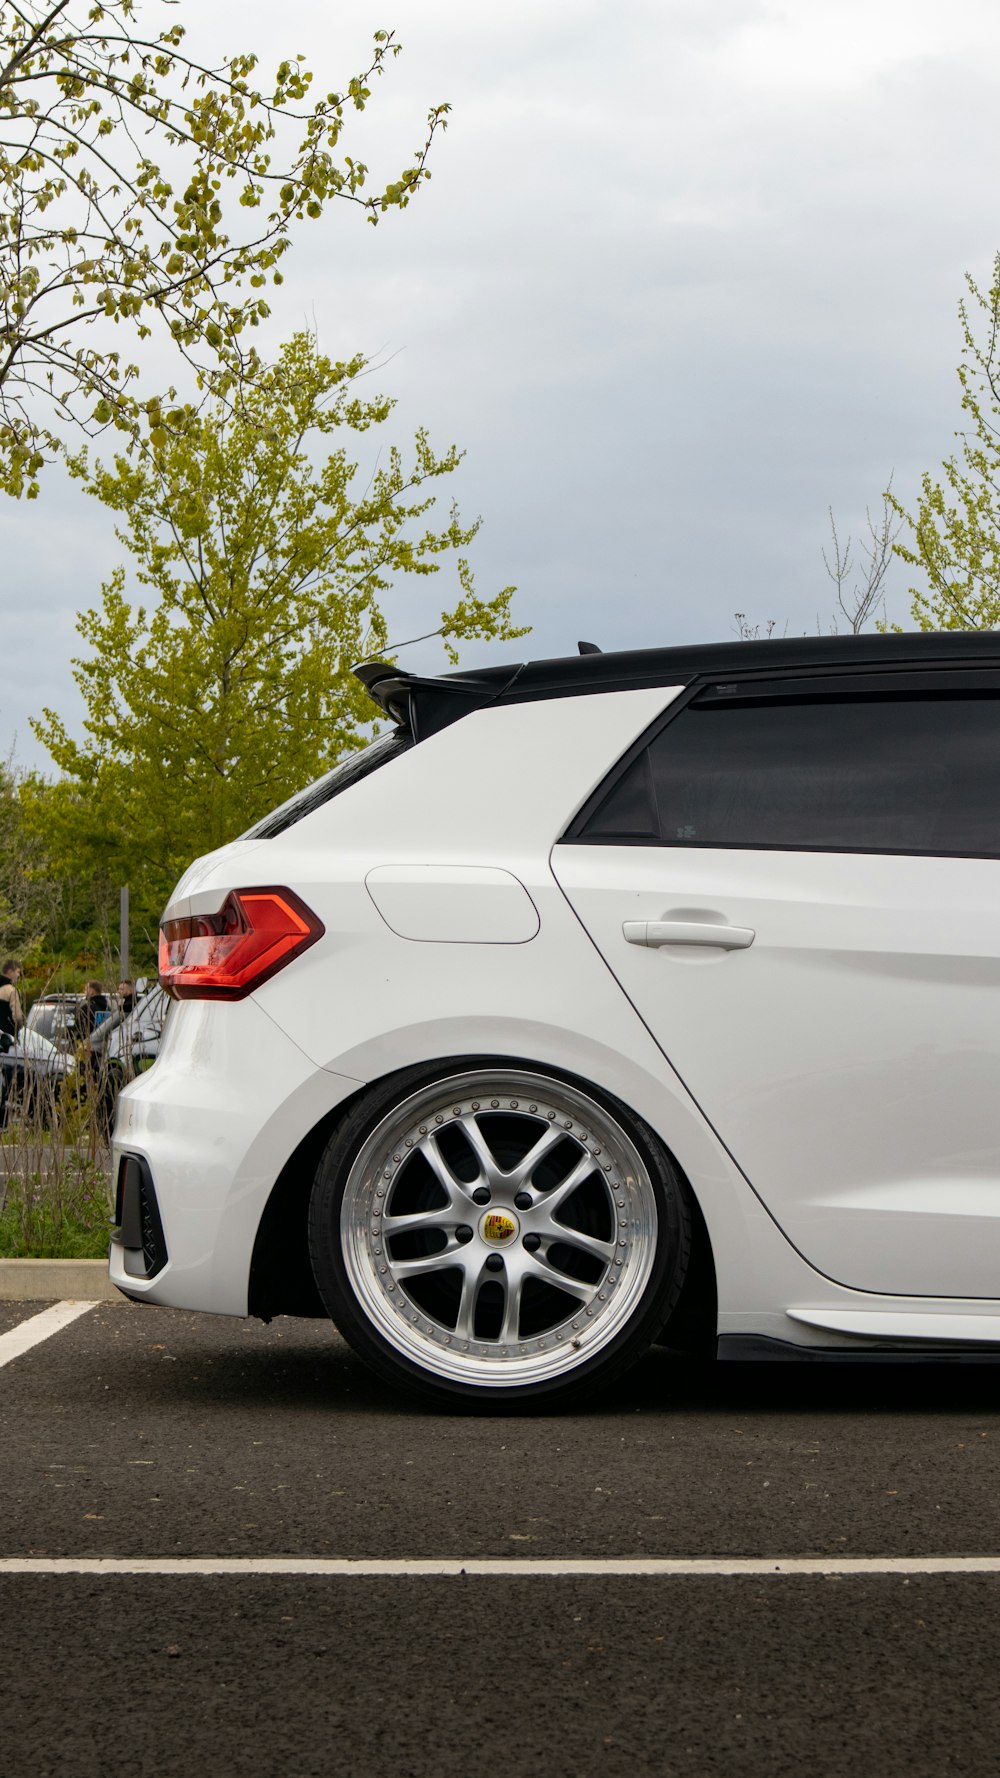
281, 1277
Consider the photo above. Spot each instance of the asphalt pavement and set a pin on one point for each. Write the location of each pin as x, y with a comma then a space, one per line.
141, 1432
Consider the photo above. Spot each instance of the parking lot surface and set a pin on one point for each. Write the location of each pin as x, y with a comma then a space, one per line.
137, 1432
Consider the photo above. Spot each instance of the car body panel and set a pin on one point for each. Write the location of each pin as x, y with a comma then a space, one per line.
848, 1057
215, 1139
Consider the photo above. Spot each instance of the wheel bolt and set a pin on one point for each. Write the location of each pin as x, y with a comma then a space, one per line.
481, 1195
523, 1200
494, 1263
463, 1233
531, 1243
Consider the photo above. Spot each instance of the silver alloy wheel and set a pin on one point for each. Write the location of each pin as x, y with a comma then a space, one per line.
499, 1228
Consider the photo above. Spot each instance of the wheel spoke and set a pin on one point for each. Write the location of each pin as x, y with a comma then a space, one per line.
551, 1200
539, 1266
521, 1174
419, 1219
514, 1286
489, 1172
560, 1231
429, 1262
466, 1319
457, 1190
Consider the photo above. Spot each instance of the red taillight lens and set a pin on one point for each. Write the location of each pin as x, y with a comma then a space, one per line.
226, 955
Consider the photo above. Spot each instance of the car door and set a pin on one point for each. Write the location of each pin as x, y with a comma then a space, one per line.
797, 884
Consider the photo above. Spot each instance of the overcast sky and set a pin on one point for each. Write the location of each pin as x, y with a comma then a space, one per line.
686, 275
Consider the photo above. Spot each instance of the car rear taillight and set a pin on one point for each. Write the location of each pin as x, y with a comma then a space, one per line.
226, 955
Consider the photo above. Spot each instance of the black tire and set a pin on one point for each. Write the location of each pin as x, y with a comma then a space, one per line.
418, 1346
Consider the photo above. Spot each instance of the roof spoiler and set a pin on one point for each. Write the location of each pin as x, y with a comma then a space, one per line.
423, 706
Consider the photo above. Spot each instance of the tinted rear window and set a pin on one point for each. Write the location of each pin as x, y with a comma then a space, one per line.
350, 771
880, 774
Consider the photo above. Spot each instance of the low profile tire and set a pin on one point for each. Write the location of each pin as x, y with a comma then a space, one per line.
494, 1233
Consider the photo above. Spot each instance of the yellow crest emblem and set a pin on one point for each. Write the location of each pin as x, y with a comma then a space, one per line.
498, 1226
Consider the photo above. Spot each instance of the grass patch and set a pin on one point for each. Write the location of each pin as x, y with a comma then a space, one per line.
64, 1218
55, 1190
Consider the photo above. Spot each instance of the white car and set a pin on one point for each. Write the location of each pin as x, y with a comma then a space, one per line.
126, 1043
602, 1000
32, 1074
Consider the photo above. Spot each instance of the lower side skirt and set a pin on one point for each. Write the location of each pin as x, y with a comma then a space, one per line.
760, 1348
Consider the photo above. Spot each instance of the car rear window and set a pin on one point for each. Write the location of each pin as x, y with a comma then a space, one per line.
350, 771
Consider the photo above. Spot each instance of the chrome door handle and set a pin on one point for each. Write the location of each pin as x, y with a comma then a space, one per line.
688, 932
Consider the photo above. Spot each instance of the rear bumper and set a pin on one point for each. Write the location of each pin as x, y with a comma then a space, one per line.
202, 1137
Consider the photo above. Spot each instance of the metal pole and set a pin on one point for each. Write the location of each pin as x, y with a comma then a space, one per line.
123, 931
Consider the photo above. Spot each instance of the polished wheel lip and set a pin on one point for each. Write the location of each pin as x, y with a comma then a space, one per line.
605, 1307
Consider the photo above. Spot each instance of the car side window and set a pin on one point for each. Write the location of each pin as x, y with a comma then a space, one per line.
629, 812
906, 772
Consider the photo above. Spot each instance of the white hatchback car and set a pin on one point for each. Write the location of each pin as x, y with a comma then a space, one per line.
602, 1000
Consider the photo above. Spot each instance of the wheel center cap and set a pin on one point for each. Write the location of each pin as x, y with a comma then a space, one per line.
499, 1227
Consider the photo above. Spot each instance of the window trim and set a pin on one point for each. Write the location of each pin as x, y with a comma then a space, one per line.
864, 686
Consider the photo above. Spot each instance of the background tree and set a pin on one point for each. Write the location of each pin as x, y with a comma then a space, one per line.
860, 587
232, 687
30, 899
956, 528
139, 186
73, 861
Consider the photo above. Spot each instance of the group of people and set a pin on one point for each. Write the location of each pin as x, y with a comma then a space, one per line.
91, 1010
94, 1008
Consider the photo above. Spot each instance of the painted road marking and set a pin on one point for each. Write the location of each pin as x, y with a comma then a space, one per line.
530, 1568
39, 1327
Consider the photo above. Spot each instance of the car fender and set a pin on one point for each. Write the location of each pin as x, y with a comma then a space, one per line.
740, 1230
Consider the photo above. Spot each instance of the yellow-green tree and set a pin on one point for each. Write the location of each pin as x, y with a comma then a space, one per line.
265, 556
30, 902
142, 188
955, 531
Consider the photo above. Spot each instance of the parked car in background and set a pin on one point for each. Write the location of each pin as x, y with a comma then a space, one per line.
121, 1046
127, 1041
32, 1074
53, 1016
126, 1044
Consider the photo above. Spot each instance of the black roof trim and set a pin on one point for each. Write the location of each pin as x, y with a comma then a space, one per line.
424, 705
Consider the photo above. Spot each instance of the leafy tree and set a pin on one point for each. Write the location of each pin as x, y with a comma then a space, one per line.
140, 187
77, 866
29, 897
267, 570
956, 528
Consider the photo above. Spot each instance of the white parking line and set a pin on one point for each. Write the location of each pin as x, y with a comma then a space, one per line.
39, 1327
520, 1568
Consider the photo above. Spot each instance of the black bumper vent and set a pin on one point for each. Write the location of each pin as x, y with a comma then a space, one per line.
137, 1214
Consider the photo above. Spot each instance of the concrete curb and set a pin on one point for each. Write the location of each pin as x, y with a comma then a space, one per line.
56, 1281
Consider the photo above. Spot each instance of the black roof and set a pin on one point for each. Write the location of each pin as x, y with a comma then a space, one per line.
426, 704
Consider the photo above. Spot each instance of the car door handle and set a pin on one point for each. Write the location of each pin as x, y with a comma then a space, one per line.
688, 932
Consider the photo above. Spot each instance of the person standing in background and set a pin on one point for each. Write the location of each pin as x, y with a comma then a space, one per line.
92, 1010
11, 1014
126, 997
